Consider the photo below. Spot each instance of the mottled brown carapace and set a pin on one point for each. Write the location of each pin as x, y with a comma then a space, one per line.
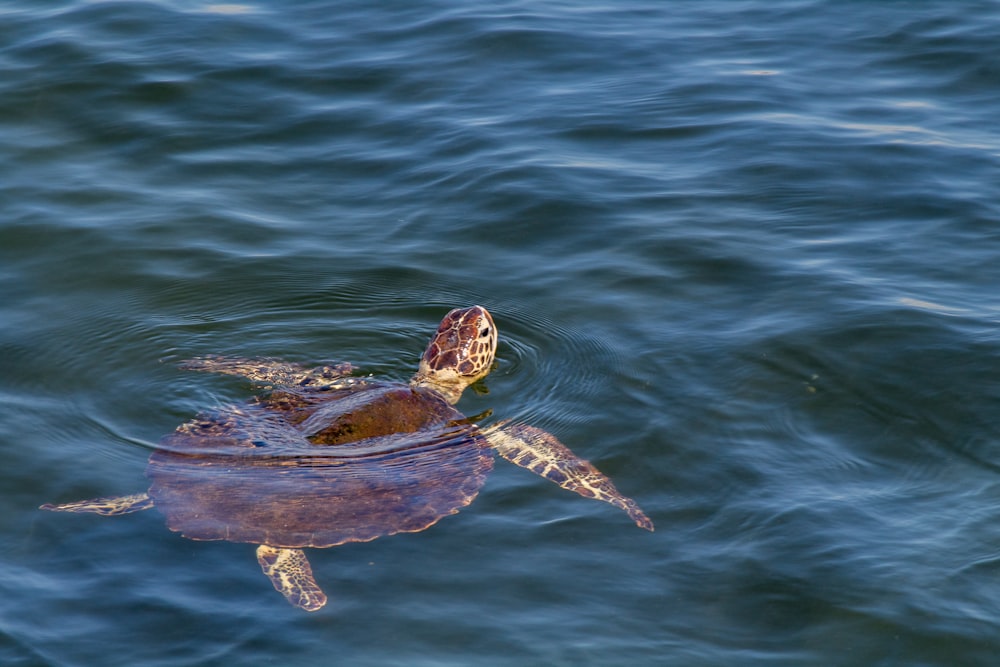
460, 353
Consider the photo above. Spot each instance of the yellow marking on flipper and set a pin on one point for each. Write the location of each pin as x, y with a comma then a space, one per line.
104, 506
289, 571
544, 455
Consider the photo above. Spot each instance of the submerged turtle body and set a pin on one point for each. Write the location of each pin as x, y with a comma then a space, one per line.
326, 458
353, 463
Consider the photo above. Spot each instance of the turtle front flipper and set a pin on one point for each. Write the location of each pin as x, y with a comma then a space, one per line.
105, 506
544, 455
289, 571
270, 371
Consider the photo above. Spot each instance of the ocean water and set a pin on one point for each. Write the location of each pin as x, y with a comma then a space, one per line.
743, 256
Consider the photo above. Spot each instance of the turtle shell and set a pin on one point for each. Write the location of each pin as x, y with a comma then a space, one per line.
317, 468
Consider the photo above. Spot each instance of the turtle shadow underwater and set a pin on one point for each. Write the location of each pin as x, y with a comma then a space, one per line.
325, 458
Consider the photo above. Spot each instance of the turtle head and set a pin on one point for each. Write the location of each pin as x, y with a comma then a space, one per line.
461, 352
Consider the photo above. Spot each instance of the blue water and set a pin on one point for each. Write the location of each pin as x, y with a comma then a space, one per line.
743, 256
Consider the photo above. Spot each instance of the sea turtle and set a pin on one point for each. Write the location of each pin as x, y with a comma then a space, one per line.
327, 457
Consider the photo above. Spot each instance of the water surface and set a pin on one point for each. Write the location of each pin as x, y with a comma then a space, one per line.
743, 256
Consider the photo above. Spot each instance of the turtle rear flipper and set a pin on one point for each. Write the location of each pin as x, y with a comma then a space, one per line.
270, 371
543, 454
289, 571
105, 506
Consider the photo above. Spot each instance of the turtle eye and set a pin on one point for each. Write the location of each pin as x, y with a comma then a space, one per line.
485, 332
